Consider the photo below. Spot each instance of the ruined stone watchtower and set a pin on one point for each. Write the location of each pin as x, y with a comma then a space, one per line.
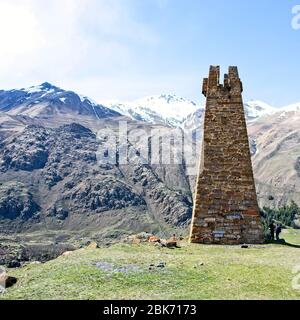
225, 207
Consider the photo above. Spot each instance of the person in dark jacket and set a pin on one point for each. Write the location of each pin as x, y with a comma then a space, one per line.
272, 229
278, 230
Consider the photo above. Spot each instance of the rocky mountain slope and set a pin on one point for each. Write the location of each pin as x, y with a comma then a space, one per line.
50, 176
49, 106
51, 179
45, 100
276, 160
256, 109
273, 133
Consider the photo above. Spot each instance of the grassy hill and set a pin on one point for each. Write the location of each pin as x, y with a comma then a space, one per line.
191, 272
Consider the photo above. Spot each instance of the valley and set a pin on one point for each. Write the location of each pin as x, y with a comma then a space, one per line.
51, 180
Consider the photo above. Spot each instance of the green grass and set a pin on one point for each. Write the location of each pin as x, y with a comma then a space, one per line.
191, 272
291, 235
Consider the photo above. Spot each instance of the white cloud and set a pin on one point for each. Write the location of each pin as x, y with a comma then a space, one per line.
19, 33
58, 40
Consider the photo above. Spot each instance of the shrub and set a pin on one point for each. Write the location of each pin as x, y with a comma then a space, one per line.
284, 215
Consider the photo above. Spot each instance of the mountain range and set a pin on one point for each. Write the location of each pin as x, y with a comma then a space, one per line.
176, 111
50, 179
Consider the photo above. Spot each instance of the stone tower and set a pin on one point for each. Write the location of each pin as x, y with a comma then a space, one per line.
225, 206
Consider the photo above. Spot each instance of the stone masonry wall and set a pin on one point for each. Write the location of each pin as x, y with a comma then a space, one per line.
225, 207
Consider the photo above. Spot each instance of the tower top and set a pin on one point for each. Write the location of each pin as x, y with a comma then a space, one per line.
231, 84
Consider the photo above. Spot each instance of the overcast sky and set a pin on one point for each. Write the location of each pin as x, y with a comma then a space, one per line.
127, 49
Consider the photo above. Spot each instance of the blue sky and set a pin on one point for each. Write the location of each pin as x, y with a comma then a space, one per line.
126, 49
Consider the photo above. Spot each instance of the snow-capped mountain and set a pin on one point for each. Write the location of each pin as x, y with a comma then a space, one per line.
292, 107
46, 99
194, 119
176, 111
290, 112
256, 109
162, 109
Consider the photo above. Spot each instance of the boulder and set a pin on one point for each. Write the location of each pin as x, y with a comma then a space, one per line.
140, 237
154, 239
161, 265
171, 244
67, 253
144, 236
93, 245
10, 281
6, 281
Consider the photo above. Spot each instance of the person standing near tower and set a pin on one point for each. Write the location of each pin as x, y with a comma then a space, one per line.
278, 231
272, 228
